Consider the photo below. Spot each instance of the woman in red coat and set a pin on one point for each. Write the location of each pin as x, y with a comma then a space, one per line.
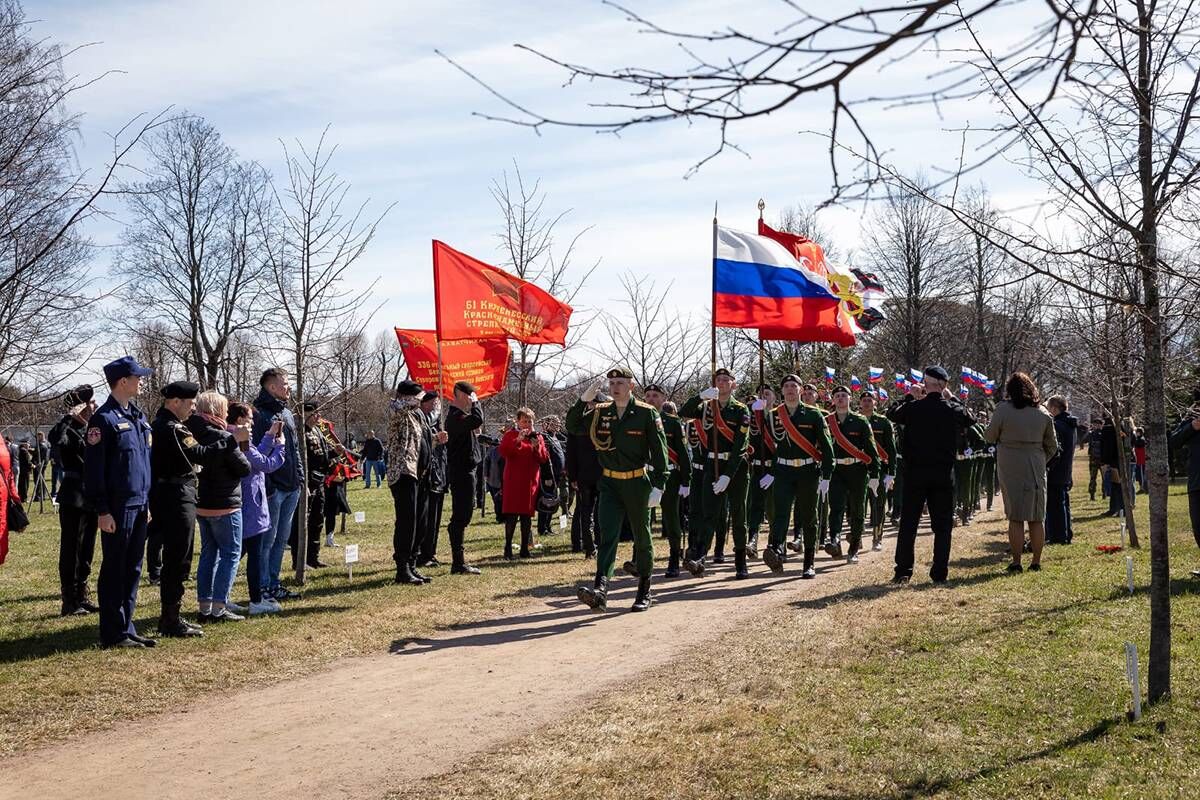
524, 452
8, 488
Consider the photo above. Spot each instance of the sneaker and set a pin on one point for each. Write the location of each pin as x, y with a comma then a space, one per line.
224, 615
235, 608
852, 558
265, 606
283, 593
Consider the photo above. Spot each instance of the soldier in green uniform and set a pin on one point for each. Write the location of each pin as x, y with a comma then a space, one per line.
762, 451
695, 499
679, 473
885, 449
855, 473
632, 449
723, 424
970, 442
799, 474
808, 396
987, 477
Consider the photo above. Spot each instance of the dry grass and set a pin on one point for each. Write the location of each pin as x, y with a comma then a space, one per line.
56, 683
995, 686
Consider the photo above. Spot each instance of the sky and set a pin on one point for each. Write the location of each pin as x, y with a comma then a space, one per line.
402, 118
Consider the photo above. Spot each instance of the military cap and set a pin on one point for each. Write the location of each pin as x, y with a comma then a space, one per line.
812, 387
432, 394
793, 378
124, 367
839, 388
763, 387
310, 406
937, 372
654, 387
80, 394
180, 390
865, 394
409, 388
620, 372
722, 371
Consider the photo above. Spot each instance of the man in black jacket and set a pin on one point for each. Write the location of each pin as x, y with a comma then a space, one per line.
432, 492
372, 454
320, 461
928, 449
76, 521
1058, 474
1187, 434
464, 419
583, 470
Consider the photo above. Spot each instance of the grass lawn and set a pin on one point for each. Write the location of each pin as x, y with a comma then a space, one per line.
995, 686
55, 682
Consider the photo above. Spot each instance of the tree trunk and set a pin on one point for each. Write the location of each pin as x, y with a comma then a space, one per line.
302, 507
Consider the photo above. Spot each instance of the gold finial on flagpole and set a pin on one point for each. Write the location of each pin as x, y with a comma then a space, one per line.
761, 205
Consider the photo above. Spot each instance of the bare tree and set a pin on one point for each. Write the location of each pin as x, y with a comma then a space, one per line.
312, 241
388, 360
528, 243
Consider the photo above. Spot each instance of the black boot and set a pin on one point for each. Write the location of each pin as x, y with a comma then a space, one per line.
70, 605
672, 565
809, 572
630, 568
595, 597
642, 601
412, 570
508, 537
404, 575
526, 543
739, 559
83, 599
694, 565
459, 565
171, 625
773, 559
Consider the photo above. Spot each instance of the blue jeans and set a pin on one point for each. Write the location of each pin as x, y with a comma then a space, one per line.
377, 467
282, 506
220, 551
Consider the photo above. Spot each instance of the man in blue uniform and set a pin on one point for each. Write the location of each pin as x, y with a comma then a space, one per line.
116, 484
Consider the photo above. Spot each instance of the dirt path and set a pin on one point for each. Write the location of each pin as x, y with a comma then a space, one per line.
367, 726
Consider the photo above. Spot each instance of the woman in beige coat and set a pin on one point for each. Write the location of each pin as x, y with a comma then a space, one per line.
1024, 437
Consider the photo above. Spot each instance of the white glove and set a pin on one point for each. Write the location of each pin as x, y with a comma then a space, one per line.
873, 485
968, 452
888, 480
766, 481
589, 394
711, 393
649, 468
474, 398
721, 484
991, 451
655, 498
823, 487
759, 404
684, 491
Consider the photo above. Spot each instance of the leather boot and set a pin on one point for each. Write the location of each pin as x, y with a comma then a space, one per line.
597, 596
404, 575
809, 572
169, 624
695, 565
412, 569
508, 551
672, 564
642, 601
630, 568
739, 559
70, 605
83, 599
526, 543
773, 559
459, 565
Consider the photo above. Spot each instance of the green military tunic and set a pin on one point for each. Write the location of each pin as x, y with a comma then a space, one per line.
626, 444
797, 474
848, 487
729, 453
885, 446
967, 470
679, 473
762, 454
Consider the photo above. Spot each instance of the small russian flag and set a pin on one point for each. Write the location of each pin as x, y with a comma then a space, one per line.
830, 374
917, 375
989, 386
855, 383
963, 392
900, 380
883, 393
874, 374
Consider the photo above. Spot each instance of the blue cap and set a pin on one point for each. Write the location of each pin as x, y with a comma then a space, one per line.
124, 367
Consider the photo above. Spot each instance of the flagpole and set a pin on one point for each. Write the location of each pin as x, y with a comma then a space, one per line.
761, 355
713, 366
437, 328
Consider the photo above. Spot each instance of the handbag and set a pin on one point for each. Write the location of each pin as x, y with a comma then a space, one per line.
18, 520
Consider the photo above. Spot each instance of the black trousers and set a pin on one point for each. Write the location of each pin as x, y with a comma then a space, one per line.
583, 538
429, 525
316, 523
462, 508
1058, 514
173, 526
934, 487
1194, 513
404, 498
76, 548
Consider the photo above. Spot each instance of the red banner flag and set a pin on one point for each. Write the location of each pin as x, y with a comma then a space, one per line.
475, 300
482, 363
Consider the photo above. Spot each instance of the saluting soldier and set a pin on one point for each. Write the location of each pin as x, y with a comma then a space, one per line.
76, 521
762, 452
723, 425
116, 484
173, 461
631, 446
799, 474
679, 473
885, 449
855, 472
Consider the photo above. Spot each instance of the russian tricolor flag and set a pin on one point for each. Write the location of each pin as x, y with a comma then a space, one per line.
989, 386
917, 375
757, 283
883, 393
874, 374
855, 383
830, 374
900, 380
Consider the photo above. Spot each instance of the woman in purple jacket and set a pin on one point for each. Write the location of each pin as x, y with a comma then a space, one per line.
256, 517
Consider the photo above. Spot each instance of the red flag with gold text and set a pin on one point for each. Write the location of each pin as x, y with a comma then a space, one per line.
475, 300
483, 363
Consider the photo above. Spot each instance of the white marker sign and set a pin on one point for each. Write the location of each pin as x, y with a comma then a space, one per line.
350, 552
360, 516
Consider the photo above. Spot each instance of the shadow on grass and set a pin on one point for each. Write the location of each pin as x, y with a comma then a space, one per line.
928, 788
1180, 587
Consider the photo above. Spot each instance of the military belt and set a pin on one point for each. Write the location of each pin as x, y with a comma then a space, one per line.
719, 456
698, 467
845, 462
623, 476
758, 462
795, 462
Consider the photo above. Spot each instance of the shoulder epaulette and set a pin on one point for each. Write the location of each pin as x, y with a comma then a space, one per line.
604, 404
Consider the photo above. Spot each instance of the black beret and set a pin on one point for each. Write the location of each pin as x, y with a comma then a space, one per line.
409, 388
430, 395
180, 390
309, 406
792, 378
620, 372
839, 388
938, 373
722, 371
654, 387
78, 395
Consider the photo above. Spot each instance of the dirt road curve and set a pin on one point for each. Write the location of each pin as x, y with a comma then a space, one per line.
369, 725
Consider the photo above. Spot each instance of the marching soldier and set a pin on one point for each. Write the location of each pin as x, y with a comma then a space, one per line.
987, 477
885, 449
855, 472
173, 461
679, 473
695, 499
116, 484
77, 522
799, 474
762, 451
632, 448
723, 424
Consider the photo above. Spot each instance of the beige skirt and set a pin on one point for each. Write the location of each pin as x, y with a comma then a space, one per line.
1022, 475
